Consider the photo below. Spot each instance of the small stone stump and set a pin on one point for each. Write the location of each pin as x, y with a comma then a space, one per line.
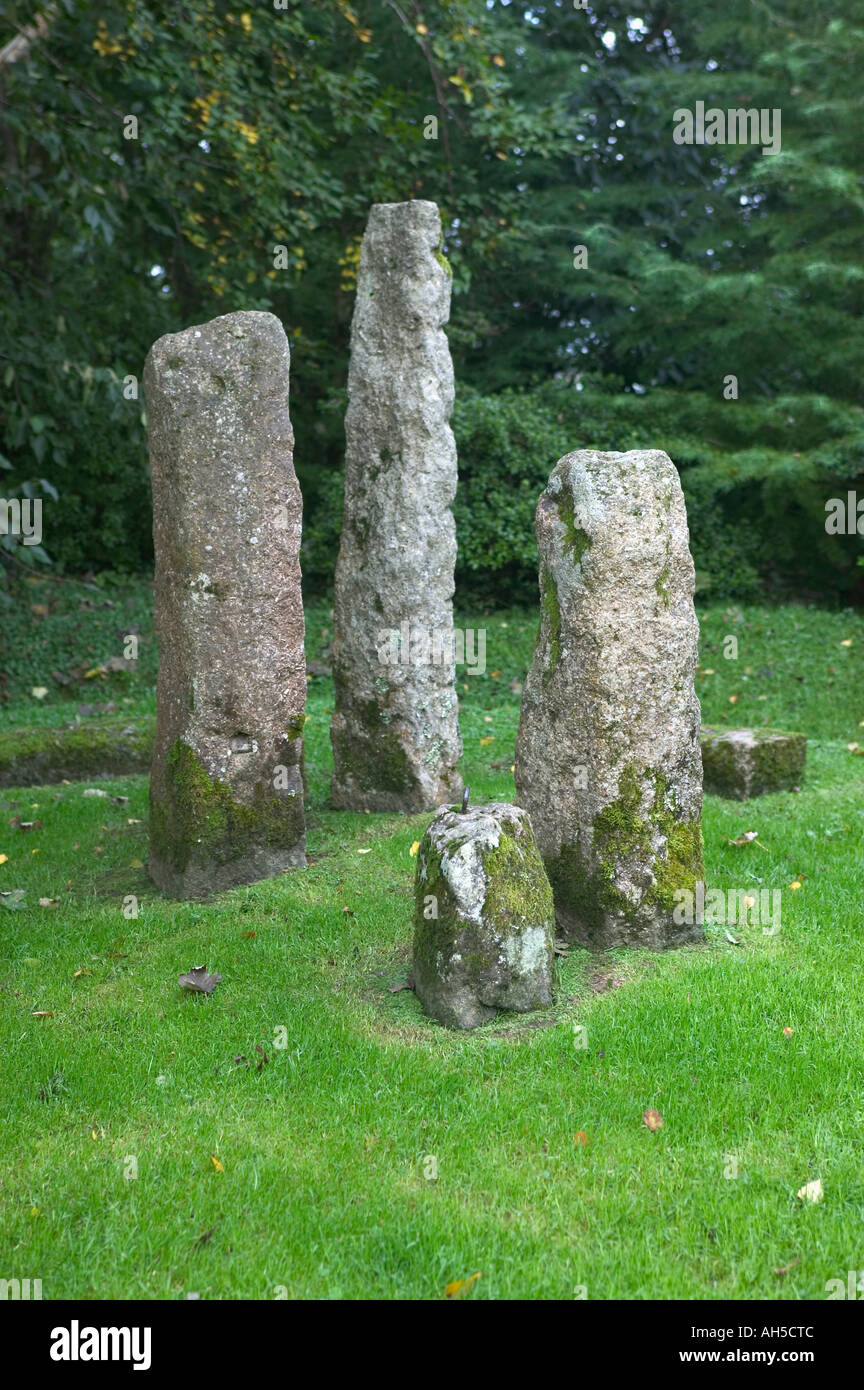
741, 763
484, 920
226, 788
607, 755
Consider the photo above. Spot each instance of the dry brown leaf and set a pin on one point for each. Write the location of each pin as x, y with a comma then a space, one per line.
653, 1119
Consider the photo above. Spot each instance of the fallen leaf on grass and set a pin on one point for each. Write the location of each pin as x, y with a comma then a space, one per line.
407, 983
264, 1056
561, 948
784, 1269
49, 902
580, 1138
750, 837
198, 980
207, 1235
247, 935
364, 851
653, 1119
811, 1191
135, 864
414, 848
787, 1032
41, 1013
4, 858
82, 971
460, 1286
217, 1163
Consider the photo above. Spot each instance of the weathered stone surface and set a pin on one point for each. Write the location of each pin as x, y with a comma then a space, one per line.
226, 791
395, 730
740, 763
484, 921
607, 757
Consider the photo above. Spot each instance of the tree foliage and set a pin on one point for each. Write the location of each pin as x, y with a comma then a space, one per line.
166, 163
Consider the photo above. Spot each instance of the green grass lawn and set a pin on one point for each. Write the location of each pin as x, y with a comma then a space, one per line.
301, 1169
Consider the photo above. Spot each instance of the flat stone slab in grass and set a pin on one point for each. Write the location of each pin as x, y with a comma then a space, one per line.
484, 919
742, 763
38, 755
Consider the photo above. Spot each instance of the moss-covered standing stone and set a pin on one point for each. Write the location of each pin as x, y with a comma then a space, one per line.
607, 757
395, 731
740, 763
484, 921
226, 788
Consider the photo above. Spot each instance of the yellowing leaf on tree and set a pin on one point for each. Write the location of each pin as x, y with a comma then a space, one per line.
460, 1286
421, 29
458, 81
246, 22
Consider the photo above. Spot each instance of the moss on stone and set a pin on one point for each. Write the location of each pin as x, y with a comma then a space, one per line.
552, 613
577, 539
519, 892
376, 761
39, 756
585, 883
197, 820
662, 586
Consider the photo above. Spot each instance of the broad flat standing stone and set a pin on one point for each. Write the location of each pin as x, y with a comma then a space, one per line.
484, 920
608, 762
226, 789
740, 763
395, 731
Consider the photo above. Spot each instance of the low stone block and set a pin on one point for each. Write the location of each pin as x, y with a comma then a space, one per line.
742, 763
484, 919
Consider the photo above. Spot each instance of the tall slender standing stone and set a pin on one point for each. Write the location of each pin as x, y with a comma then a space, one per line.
395, 731
608, 762
226, 790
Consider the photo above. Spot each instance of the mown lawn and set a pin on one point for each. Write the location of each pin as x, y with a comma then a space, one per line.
300, 1170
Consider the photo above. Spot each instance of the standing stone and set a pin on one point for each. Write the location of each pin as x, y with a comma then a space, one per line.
226, 790
395, 732
608, 762
484, 920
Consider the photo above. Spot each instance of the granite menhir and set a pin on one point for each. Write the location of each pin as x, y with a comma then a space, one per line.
608, 763
395, 731
226, 789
